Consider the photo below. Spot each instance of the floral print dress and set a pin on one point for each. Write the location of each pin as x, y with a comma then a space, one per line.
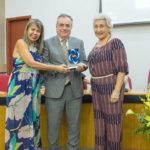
23, 106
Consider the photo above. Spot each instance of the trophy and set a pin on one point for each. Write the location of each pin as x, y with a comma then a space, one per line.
73, 58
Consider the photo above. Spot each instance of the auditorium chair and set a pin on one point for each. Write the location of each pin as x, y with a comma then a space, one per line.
4, 82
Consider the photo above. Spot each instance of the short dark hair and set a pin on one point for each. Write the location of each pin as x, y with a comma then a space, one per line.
65, 15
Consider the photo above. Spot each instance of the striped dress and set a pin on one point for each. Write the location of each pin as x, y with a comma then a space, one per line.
109, 59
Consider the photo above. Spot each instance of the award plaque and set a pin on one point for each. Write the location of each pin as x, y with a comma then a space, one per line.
73, 56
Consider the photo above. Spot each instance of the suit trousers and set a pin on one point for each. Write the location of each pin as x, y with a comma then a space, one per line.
54, 110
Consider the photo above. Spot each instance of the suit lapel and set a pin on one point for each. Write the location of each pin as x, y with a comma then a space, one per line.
71, 43
59, 48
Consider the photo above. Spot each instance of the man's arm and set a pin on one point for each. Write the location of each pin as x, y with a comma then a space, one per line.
82, 66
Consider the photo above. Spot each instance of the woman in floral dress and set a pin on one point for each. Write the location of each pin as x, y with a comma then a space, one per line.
23, 98
108, 66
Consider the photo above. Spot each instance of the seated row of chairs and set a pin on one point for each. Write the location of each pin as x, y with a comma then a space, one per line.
4, 83
4, 78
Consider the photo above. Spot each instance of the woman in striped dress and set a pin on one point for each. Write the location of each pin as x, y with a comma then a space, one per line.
108, 67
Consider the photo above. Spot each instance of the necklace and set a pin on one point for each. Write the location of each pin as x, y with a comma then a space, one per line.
101, 44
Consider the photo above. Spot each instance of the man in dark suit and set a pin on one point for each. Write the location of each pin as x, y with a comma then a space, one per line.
64, 91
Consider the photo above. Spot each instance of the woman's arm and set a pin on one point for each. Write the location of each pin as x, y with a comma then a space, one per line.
119, 82
22, 50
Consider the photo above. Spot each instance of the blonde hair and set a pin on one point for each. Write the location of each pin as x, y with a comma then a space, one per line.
40, 42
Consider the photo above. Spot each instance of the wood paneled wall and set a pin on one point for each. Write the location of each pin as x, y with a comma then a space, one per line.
129, 139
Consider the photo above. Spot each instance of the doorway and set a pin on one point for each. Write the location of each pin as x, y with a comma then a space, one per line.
14, 31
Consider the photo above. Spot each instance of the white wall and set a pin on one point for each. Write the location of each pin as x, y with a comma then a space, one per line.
137, 43
82, 12
135, 38
2, 31
123, 11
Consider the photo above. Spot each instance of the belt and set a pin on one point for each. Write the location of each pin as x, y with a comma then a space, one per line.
101, 77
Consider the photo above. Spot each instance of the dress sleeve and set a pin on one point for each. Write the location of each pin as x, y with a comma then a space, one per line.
119, 57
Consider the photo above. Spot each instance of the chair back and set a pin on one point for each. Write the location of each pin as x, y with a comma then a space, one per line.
4, 82
129, 82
